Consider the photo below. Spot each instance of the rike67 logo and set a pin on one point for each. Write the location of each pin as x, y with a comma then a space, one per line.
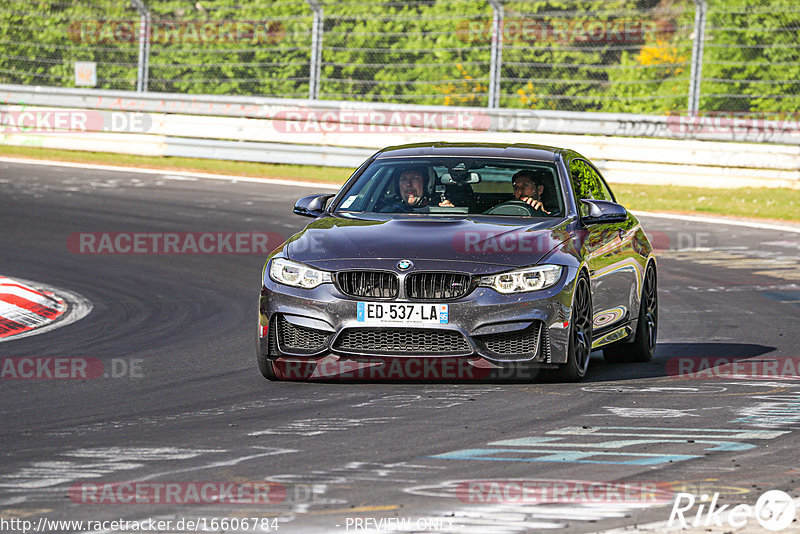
774, 510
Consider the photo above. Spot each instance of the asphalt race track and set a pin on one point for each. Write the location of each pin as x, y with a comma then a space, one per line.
180, 399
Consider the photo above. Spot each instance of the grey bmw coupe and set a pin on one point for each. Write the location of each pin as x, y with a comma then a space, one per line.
459, 261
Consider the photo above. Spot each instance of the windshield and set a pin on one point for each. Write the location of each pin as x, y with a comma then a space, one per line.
457, 185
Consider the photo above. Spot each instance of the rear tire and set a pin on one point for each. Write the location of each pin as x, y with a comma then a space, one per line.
643, 346
579, 349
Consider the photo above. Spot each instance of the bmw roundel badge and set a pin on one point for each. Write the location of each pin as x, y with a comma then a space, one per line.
404, 265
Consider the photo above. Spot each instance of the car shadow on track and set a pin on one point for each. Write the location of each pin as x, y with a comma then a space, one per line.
672, 360
687, 361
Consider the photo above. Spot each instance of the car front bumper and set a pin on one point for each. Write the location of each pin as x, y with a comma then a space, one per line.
317, 326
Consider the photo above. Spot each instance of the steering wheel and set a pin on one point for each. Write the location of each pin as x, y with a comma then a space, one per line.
513, 207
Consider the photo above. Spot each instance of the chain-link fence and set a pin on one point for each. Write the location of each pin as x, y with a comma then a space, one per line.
580, 55
751, 59
39, 45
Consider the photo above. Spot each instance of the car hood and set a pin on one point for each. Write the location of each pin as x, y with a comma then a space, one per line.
471, 244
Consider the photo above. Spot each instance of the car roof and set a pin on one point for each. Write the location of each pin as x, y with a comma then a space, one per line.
488, 150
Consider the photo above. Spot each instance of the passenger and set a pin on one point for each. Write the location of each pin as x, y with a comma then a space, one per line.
413, 197
411, 184
528, 189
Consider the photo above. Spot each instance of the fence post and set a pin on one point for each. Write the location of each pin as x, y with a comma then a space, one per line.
144, 46
316, 49
497, 53
696, 75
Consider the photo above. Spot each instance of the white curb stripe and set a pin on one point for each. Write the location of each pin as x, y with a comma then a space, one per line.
29, 294
21, 315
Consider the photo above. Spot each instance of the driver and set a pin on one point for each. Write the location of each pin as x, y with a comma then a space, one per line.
528, 189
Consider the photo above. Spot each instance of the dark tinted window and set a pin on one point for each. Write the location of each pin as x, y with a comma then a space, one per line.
452, 185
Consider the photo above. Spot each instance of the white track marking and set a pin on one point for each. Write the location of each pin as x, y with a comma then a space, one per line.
719, 220
315, 427
360, 471
100, 462
266, 451
621, 411
104, 461
140, 453
173, 174
428, 399
680, 390
179, 178
47, 474
523, 517
775, 411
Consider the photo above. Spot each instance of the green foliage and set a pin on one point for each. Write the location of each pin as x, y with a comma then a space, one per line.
752, 57
40, 42
557, 54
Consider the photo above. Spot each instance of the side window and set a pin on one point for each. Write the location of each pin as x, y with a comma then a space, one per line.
587, 184
604, 190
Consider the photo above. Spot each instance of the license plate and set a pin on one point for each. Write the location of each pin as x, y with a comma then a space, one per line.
397, 313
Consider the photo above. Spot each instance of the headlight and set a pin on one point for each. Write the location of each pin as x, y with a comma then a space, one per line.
521, 280
296, 274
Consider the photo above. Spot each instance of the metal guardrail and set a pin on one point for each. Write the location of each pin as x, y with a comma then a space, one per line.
345, 133
711, 128
330, 156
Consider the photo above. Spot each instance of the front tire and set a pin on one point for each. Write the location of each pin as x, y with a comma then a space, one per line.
643, 346
580, 335
265, 366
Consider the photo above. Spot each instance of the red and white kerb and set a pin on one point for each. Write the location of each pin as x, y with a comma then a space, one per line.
24, 308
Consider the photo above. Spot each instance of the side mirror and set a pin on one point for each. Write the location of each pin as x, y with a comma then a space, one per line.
604, 211
312, 205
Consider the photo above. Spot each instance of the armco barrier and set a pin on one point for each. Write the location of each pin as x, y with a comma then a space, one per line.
345, 133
